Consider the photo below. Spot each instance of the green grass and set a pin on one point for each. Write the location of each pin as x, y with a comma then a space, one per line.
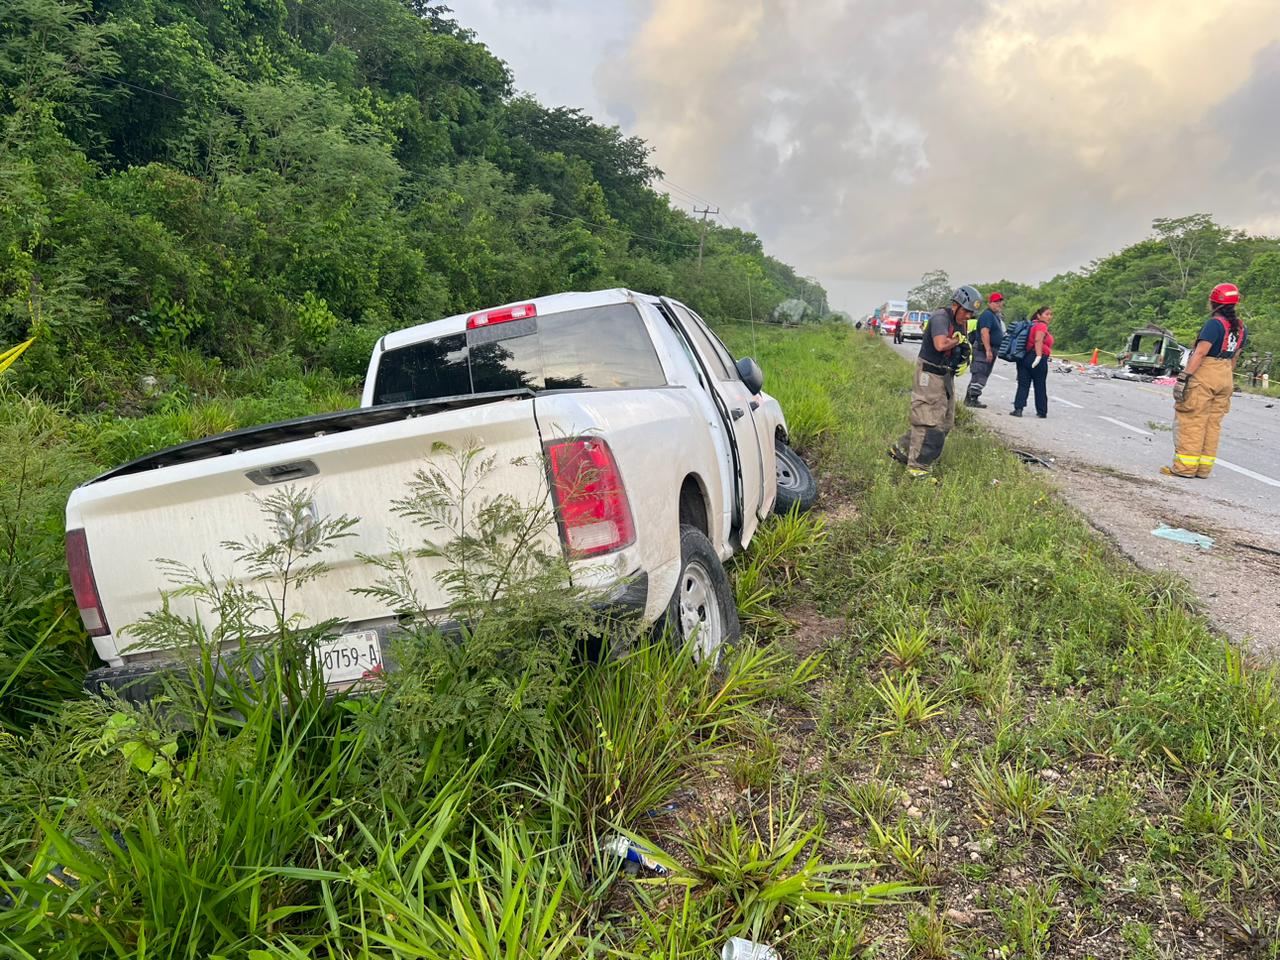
1094, 733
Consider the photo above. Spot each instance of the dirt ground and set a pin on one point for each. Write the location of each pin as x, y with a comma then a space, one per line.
1237, 579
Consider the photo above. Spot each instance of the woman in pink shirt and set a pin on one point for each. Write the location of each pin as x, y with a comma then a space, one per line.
1033, 368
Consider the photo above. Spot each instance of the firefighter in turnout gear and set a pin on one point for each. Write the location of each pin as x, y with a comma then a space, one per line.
933, 394
1202, 395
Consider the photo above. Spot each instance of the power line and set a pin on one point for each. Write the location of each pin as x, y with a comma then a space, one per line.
630, 233
684, 190
680, 195
134, 86
694, 199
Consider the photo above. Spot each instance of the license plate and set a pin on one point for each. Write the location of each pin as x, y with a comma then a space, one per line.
350, 656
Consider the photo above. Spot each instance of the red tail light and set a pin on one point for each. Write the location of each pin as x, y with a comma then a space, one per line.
490, 317
594, 513
83, 585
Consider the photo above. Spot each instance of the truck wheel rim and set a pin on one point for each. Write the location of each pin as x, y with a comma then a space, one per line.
700, 612
787, 474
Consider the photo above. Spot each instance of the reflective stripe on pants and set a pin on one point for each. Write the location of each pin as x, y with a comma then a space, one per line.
1198, 418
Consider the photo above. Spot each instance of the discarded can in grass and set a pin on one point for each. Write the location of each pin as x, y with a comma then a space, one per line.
632, 852
737, 948
660, 811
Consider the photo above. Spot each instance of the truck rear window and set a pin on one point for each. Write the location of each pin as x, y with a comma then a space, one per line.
595, 348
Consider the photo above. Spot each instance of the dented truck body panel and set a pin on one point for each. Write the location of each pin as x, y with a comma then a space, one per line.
185, 504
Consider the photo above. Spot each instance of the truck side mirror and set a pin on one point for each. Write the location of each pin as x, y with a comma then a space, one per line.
750, 373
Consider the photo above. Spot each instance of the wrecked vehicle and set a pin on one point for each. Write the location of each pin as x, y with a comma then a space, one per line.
1154, 352
655, 444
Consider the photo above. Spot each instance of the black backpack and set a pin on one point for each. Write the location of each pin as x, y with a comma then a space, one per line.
1014, 346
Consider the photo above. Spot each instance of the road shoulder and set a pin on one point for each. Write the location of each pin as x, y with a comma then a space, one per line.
1234, 580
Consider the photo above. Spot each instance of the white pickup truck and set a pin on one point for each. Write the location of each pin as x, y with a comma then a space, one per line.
686, 456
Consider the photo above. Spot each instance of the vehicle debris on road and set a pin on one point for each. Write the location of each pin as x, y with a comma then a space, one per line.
1027, 456
1179, 535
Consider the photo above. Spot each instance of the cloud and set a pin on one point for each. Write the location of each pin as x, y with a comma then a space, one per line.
870, 140
555, 46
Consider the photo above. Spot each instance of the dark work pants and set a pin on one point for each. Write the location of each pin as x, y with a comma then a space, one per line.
1028, 378
979, 373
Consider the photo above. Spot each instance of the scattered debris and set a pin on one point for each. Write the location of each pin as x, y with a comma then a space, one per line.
995, 481
1180, 535
626, 849
1165, 381
1027, 456
736, 948
961, 918
660, 811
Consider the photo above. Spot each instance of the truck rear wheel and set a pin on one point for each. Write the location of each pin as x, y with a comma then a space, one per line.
702, 608
796, 485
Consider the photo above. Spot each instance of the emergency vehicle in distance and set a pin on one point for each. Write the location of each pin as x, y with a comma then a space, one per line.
913, 324
891, 314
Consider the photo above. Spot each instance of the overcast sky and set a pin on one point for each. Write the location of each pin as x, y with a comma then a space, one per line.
867, 141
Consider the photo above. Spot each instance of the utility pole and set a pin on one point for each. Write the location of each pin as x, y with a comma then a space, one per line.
703, 235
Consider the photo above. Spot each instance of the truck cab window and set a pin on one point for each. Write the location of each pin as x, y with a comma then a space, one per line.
597, 348
717, 357
424, 371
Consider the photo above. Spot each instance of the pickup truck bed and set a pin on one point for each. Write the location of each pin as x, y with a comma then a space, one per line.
636, 382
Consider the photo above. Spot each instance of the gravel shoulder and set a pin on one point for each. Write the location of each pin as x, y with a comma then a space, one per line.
1235, 579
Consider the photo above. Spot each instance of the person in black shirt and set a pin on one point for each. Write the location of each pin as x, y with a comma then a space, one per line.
933, 400
986, 341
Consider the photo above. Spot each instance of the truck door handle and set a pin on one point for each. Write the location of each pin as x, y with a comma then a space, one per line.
282, 472
755, 404
737, 413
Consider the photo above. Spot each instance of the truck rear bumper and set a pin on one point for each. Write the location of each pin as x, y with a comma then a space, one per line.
140, 682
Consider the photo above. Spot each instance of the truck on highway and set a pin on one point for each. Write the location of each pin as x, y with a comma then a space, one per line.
892, 313
659, 453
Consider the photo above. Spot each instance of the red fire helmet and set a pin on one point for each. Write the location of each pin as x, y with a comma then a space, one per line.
1225, 293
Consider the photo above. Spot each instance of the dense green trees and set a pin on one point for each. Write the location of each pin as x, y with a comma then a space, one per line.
264, 178
1165, 280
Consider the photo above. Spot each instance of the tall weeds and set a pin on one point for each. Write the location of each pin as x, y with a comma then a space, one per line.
458, 808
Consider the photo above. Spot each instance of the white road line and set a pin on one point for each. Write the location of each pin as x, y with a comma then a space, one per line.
1249, 473
999, 376
1127, 426
1068, 403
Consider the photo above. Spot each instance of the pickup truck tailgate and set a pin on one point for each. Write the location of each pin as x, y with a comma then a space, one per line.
186, 511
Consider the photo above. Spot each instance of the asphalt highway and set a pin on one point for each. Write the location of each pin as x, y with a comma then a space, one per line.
1127, 426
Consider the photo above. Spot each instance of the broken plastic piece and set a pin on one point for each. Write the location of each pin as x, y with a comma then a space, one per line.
736, 948
1180, 535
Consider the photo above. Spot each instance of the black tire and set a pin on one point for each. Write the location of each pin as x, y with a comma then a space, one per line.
703, 602
796, 484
